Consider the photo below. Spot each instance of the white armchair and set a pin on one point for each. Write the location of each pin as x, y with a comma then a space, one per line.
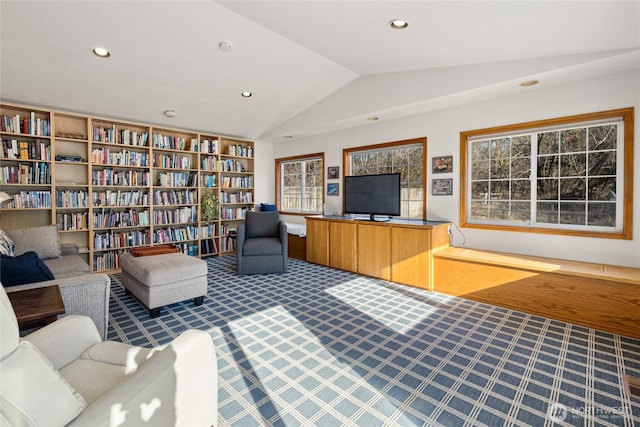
63, 374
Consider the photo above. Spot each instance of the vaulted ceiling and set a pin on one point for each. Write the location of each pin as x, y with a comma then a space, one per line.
312, 66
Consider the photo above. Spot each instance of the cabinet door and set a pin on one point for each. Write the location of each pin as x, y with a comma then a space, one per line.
374, 257
342, 241
318, 241
410, 256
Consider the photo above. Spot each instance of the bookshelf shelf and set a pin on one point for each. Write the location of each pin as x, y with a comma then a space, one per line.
147, 179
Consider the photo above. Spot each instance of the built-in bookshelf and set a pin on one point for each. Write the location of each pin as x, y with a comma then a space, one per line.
111, 185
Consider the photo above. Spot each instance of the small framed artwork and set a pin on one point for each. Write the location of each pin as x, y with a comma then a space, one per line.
333, 172
333, 189
442, 164
442, 187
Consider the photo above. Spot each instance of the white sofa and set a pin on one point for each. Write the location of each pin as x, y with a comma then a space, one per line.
63, 374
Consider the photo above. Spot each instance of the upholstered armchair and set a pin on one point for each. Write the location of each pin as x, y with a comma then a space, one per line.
63, 374
262, 244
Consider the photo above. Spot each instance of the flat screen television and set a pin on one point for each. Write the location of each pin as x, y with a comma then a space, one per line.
372, 195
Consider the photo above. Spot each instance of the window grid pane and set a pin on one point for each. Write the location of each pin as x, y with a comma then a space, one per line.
571, 181
301, 192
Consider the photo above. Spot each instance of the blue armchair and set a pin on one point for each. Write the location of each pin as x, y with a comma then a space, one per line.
262, 244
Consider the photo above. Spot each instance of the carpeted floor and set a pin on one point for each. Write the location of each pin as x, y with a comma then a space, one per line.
323, 347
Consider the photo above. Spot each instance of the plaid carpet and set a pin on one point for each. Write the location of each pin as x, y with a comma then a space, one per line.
323, 347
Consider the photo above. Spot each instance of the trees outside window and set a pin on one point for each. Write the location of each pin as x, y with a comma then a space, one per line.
404, 157
569, 175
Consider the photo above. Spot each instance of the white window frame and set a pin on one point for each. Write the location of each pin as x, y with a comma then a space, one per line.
280, 165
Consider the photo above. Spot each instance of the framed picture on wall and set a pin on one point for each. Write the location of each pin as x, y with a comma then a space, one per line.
442, 187
442, 164
333, 172
333, 189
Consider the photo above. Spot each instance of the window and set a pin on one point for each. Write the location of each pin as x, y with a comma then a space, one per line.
405, 157
299, 184
571, 175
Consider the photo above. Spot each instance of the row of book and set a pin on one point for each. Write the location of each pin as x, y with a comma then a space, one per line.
209, 247
113, 135
107, 261
114, 219
208, 231
25, 150
124, 178
210, 163
241, 197
177, 179
104, 156
31, 200
228, 244
237, 182
176, 216
240, 150
168, 235
182, 197
32, 173
173, 161
30, 125
174, 143
72, 198
233, 213
73, 221
209, 146
120, 198
121, 239
207, 180
230, 165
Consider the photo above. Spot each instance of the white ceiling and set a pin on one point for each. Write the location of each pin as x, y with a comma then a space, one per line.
313, 66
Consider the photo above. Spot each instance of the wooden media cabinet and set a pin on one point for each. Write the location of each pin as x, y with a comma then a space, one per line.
397, 250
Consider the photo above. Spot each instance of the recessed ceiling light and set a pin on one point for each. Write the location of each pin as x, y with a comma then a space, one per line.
398, 24
101, 52
372, 119
170, 113
529, 83
247, 94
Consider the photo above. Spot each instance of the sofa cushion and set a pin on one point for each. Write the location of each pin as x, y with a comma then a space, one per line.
262, 224
25, 268
34, 393
6, 244
262, 246
67, 266
43, 240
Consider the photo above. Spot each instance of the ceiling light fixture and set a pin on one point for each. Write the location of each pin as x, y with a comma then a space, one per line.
246, 94
529, 83
101, 52
373, 119
225, 46
398, 24
170, 113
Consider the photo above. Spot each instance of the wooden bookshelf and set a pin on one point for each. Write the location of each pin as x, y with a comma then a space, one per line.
112, 185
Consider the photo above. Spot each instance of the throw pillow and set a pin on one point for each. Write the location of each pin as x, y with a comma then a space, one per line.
6, 244
25, 268
265, 207
43, 240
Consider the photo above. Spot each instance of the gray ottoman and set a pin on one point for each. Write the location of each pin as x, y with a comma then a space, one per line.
158, 280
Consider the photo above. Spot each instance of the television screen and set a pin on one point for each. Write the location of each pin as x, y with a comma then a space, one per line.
372, 194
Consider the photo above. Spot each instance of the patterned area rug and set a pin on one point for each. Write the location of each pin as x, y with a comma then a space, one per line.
323, 347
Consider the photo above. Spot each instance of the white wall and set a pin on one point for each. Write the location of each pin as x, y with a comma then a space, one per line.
442, 129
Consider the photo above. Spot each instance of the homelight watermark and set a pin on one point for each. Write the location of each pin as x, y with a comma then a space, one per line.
558, 412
